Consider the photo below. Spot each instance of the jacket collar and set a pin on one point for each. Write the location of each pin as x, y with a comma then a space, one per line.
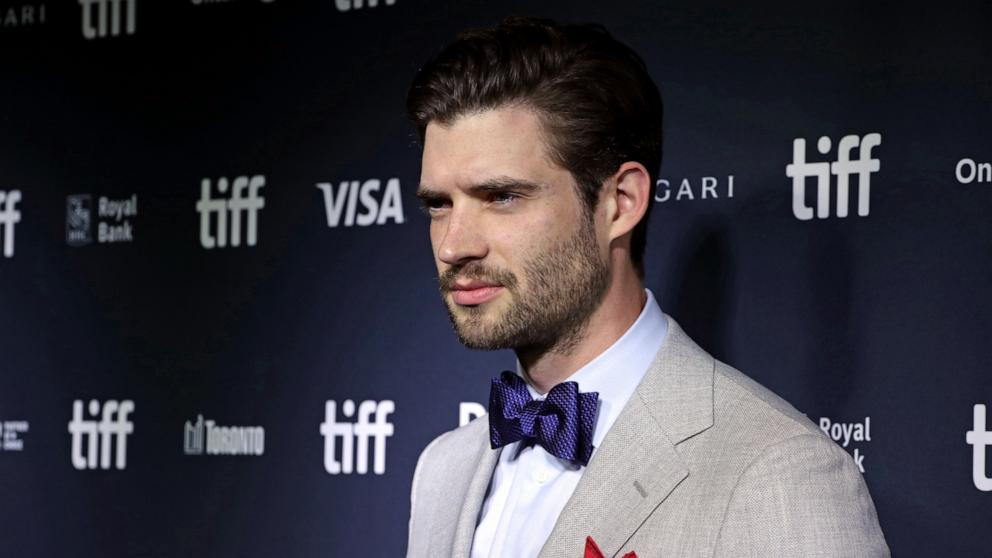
468, 518
637, 466
634, 469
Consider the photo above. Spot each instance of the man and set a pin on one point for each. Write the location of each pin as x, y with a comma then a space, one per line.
617, 434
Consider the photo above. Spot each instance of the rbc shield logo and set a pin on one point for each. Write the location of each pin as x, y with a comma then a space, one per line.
78, 219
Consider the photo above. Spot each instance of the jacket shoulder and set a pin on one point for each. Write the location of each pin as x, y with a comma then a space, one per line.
787, 489
448, 460
743, 403
449, 450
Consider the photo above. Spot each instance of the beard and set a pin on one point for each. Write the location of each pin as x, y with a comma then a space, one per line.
563, 285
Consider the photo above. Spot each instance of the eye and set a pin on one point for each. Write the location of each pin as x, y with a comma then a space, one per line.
503, 198
433, 207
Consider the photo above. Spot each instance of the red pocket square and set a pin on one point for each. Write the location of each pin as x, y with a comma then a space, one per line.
593, 551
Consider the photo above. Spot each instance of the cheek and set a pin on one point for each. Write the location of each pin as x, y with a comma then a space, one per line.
437, 236
561, 223
513, 245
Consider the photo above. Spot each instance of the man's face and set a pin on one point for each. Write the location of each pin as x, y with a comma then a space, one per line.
521, 263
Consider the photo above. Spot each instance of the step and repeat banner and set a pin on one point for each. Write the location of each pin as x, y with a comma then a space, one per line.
220, 332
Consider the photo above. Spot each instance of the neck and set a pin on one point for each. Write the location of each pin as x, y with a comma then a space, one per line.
619, 309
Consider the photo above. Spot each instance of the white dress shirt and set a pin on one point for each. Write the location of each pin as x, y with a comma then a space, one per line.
529, 486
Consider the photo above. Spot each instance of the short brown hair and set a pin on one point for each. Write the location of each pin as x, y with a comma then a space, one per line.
596, 101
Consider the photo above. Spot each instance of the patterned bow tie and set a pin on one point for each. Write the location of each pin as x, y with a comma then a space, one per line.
563, 422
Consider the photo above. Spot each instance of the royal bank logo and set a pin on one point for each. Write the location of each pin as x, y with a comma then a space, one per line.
205, 436
346, 5
848, 435
24, 15
93, 440
354, 202
9, 216
352, 455
222, 215
114, 223
11, 435
979, 438
108, 18
705, 188
968, 171
78, 220
843, 168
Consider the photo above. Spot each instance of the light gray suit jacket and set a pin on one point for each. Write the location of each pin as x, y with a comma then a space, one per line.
702, 461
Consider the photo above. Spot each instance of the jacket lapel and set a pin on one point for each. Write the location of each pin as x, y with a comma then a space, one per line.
637, 466
472, 504
452, 513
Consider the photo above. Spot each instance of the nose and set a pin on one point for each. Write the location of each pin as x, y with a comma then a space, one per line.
462, 240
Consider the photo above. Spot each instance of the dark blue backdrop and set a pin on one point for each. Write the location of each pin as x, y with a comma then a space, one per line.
879, 323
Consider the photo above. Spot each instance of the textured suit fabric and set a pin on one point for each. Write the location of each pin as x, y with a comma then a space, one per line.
702, 461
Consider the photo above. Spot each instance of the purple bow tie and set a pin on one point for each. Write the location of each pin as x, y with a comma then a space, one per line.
563, 422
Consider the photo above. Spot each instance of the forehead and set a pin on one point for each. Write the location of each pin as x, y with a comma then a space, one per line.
506, 141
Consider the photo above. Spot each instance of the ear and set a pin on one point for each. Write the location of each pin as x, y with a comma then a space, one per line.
630, 190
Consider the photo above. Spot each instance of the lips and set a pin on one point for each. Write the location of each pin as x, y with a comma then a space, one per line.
472, 293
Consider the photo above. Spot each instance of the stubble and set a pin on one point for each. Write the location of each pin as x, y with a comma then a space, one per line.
563, 285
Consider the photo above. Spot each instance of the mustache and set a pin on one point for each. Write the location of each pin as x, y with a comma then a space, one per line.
477, 271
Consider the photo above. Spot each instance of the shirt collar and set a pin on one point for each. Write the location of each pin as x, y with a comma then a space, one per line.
617, 371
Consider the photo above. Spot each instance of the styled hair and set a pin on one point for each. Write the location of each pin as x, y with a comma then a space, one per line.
593, 96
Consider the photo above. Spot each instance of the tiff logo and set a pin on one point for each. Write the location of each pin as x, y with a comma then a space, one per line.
234, 206
345, 5
206, 435
113, 422
100, 13
9, 216
799, 170
376, 208
193, 437
355, 437
979, 438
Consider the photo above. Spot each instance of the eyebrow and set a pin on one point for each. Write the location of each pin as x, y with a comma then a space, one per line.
494, 185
